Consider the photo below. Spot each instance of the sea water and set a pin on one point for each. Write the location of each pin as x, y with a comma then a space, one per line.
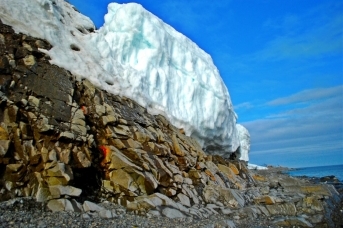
319, 171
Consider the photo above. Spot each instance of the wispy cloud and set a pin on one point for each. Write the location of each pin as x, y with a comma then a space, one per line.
319, 34
314, 128
309, 95
244, 105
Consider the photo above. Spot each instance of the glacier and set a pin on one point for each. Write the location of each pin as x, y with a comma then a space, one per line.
135, 54
244, 138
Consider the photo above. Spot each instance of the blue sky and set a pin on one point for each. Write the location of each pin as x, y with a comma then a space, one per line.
282, 62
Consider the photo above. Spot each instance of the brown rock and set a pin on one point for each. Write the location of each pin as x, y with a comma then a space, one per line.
131, 182
3, 133
123, 179
119, 161
212, 167
34, 101
141, 137
194, 174
234, 169
64, 156
232, 177
259, 177
118, 144
10, 115
109, 119
4, 145
100, 109
177, 148
282, 209
289, 181
178, 178
122, 130
293, 222
141, 204
314, 203
66, 135
168, 191
210, 174
309, 189
25, 131
164, 174
58, 173
4, 65
156, 149
42, 194
183, 163
229, 197
78, 129
56, 181
130, 143
14, 167
316, 189
81, 159
269, 200
58, 190
150, 182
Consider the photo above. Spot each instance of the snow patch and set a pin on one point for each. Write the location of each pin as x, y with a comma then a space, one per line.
244, 138
256, 167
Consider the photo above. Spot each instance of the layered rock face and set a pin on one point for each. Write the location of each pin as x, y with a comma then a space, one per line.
59, 136
138, 56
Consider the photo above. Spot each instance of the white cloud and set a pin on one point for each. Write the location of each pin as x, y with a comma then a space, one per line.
315, 127
309, 95
244, 105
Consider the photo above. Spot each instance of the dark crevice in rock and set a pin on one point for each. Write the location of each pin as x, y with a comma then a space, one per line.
89, 180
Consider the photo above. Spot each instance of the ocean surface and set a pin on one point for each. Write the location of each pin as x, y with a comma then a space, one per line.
319, 171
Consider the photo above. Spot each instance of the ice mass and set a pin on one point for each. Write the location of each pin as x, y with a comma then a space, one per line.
135, 54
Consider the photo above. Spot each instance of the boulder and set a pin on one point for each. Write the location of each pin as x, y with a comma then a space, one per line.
60, 205
4, 145
105, 214
92, 207
59, 190
172, 213
293, 221
184, 200
269, 200
3, 133
229, 197
282, 209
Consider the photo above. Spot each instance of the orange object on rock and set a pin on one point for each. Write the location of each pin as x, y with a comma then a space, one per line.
84, 110
106, 151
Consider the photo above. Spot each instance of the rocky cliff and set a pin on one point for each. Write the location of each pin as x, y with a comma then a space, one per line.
58, 132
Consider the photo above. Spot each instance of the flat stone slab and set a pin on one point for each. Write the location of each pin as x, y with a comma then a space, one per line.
172, 213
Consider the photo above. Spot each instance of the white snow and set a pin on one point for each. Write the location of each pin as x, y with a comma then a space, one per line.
256, 167
244, 138
135, 54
